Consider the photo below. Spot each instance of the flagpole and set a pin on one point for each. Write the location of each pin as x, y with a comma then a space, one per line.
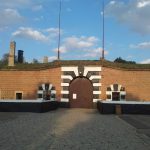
103, 40
58, 56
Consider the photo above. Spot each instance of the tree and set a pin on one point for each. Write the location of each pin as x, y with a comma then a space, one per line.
120, 60
4, 59
35, 61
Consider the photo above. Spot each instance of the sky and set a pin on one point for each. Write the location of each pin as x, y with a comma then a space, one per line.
33, 25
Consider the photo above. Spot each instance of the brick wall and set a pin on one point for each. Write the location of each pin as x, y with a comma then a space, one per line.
137, 83
28, 82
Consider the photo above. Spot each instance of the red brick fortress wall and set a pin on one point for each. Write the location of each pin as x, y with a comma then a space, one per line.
28, 82
136, 83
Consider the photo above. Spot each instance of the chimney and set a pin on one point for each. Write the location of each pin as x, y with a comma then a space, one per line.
45, 59
11, 58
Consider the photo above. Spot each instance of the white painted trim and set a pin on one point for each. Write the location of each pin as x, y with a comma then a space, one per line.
122, 92
87, 69
112, 87
40, 92
96, 92
97, 84
26, 101
95, 77
64, 84
43, 86
108, 100
119, 87
75, 69
64, 100
126, 102
66, 77
64, 92
53, 92
95, 100
108, 92
50, 86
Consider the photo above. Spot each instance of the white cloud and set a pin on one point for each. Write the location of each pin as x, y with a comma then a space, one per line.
143, 3
14, 3
10, 17
112, 2
44, 35
53, 32
86, 46
80, 42
147, 61
135, 14
62, 49
30, 33
51, 58
37, 7
39, 18
93, 53
143, 45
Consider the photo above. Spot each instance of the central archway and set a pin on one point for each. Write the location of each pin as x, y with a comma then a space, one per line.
81, 93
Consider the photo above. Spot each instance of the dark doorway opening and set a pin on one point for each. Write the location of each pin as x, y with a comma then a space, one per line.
81, 93
18, 96
116, 96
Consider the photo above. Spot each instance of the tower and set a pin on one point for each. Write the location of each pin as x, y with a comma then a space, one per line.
45, 59
20, 56
11, 58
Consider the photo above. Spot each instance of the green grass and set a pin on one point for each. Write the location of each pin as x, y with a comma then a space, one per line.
55, 64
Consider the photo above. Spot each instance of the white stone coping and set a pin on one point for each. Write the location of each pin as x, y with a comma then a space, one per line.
96, 92
64, 92
64, 100
125, 102
26, 101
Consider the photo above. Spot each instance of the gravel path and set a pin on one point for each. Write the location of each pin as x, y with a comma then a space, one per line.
66, 129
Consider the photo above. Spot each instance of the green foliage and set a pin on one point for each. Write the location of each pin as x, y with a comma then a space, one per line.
120, 60
4, 59
35, 61
55, 64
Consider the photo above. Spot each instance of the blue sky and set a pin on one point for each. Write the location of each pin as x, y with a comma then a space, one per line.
33, 24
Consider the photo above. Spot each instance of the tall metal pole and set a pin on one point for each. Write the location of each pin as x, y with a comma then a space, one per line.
103, 40
58, 57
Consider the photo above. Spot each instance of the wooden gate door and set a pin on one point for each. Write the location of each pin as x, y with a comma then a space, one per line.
81, 93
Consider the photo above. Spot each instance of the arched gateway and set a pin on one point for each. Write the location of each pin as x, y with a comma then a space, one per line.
81, 93
80, 86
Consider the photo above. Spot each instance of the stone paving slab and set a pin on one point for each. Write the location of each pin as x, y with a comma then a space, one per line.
140, 122
66, 129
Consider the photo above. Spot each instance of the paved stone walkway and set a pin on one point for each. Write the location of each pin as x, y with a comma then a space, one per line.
68, 129
140, 122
